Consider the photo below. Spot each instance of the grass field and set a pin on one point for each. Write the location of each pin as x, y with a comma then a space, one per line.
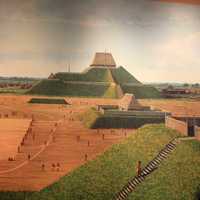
104, 177
178, 178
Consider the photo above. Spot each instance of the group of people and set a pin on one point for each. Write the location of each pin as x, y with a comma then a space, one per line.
54, 167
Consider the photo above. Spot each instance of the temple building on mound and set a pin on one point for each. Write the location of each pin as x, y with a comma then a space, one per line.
103, 60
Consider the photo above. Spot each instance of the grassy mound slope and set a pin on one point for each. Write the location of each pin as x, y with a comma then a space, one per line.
141, 91
47, 101
104, 177
121, 76
92, 75
178, 178
59, 88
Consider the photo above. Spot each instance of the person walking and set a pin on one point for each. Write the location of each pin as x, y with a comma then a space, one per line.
43, 167
139, 168
53, 167
58, 167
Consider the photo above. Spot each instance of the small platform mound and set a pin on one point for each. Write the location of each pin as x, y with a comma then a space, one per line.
48, 101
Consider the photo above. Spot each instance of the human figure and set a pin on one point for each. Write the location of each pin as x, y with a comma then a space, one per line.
103, 136
58, 167
33, 136
53, 167
18, 149
43, 167
29, 156
78, 138
139, 168
86, 157
125, 134
88, 143
22, 143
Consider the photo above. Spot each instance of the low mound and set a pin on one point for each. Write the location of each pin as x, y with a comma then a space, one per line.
61, 88
47, 101
141, 91
104, 177
91, 75
94, 119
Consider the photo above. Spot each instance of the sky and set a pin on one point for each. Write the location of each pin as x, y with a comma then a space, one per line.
155, 41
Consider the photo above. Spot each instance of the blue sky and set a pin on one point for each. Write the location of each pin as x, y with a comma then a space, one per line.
156, 42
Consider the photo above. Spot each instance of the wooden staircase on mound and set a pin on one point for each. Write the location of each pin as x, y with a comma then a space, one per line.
151, 166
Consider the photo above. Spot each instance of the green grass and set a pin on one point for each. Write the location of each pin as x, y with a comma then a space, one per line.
94, 119
92, 75
89, 117
47, 101
60, 88
12, 91
96, 82
178, 178
111, 92
141, 91
121, 76
104, 177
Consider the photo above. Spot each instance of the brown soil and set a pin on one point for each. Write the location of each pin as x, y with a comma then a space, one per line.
56, 137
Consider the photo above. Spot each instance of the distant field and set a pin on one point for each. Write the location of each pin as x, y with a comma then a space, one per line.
12, 90
178, 107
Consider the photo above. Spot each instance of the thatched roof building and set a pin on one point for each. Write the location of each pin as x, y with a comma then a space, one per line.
103, 60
